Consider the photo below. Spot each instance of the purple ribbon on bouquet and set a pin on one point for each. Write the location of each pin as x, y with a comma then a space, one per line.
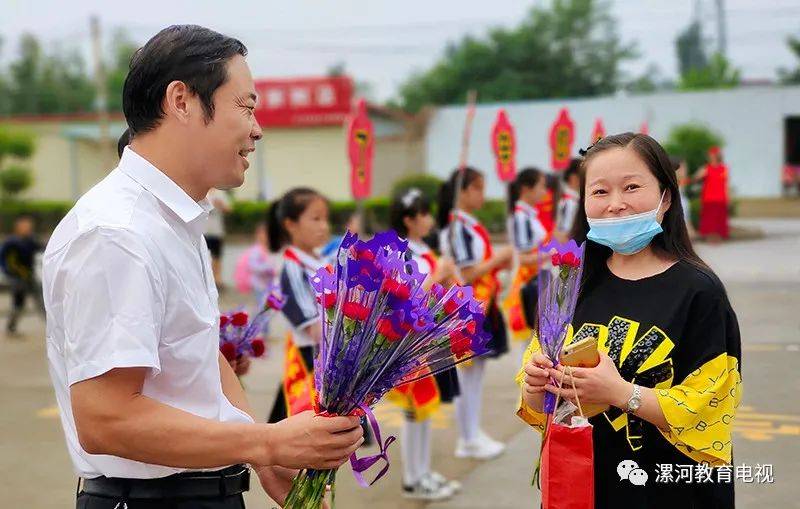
359, 466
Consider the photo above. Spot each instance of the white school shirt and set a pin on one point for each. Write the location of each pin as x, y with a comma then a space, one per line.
127, 283
468, 246
528, 230
567, 208
422, 255
300, 307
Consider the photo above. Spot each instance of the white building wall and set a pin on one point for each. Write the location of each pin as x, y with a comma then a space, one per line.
750, 120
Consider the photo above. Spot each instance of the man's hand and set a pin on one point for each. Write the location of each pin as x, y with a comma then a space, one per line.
307, 440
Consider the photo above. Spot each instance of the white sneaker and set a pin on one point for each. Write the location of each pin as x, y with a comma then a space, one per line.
483, 436
427, 489
441, 480
480, 448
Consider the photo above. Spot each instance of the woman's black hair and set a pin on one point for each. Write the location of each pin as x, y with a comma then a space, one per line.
410, 203
447, 193
527, 177
289, 206
674, 240
574, 168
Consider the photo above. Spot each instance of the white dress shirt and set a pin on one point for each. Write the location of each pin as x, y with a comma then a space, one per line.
127, 283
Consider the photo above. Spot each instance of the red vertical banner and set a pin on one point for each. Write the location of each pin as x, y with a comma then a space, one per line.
562, 136
504, 146
360, 148
599, 131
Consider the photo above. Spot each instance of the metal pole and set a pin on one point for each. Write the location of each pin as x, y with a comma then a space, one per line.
722, 36
101, 87
73, 167
262, 175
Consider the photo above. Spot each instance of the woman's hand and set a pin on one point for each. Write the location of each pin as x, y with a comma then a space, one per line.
601, 384
536, 378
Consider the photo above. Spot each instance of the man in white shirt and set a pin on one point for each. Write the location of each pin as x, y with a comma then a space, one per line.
153, 415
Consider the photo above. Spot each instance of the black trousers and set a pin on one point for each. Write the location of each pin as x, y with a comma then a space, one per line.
86, 501
20, 289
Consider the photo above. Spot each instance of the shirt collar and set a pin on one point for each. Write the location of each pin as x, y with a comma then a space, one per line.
571, 193
418, 248
162, 187
306, 260
468, 218
521, 205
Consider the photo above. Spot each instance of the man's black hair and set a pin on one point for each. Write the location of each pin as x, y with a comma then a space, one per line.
195, 55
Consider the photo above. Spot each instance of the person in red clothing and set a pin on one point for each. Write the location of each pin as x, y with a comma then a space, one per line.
714, 197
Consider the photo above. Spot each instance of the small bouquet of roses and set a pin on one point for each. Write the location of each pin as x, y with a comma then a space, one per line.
559, 283
241, 336
381, 330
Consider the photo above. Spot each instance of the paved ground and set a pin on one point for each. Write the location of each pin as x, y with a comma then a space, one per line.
762, 277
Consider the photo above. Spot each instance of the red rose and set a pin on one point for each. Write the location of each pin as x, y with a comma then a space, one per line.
223, 321
328, 300
450, 306
366, 254
577, 262
385, 328
460, 343
355, 311
569, 259
471, 326
258, 347
228, 351
239, 319
399, 290
556, 259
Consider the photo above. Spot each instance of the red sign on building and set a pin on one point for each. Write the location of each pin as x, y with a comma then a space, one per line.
360, 147
301, 102
562, 136
504, 146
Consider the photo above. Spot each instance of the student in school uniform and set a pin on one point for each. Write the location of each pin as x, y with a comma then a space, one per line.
298, 225
410, 217
570, 199
465, 239
527, 233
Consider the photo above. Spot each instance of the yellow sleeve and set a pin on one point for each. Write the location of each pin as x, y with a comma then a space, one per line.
700, 411
525, 412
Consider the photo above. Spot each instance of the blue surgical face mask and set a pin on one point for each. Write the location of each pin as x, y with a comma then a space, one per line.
626, 235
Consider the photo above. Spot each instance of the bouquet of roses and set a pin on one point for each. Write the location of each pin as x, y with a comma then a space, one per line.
241, 336
381, 330
559, 284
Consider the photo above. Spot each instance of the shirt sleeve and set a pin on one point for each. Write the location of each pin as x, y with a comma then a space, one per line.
467, 247
113, 304
536, 419
300, 307
701, 408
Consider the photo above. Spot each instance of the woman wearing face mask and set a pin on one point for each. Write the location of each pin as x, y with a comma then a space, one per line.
668, 339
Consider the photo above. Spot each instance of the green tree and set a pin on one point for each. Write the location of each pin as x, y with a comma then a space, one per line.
38, 83
719, 73
569, 49
791, 76
122, 49
15, 178
690, 48
691, 142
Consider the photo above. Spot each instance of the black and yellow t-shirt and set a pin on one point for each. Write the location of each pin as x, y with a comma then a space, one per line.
675, 332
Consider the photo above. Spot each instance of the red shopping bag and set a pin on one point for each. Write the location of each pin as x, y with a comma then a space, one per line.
567, 465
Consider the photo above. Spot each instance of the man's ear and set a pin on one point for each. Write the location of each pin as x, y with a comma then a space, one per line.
177, 102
